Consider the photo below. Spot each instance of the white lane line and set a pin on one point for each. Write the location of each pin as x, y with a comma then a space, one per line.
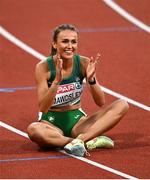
126, 15
135, 103
6, 126
40, 56
93, 163
21, 44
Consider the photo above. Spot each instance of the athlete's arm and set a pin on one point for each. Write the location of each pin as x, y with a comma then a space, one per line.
97, 93
46, 95
90, 74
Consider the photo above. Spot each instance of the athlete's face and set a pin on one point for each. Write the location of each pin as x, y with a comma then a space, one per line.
66, 44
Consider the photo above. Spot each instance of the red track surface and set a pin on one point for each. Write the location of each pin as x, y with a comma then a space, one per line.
124, 69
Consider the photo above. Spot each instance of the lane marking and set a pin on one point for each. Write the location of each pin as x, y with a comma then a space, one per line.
93, 163
135, 103
21, 44
33, 158
17, 89
126, 15
40, 56
17, 131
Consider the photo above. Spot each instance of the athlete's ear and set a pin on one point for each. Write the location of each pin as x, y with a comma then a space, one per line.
54, 45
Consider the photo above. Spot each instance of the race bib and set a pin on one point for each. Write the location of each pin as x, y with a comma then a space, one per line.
68, 94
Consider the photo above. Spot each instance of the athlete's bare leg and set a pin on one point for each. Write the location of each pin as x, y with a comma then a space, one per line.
100, 122
47, 135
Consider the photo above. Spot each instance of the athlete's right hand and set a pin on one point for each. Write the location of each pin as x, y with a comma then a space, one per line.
59, 62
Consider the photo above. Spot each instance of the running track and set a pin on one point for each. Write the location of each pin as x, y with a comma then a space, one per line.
124, 43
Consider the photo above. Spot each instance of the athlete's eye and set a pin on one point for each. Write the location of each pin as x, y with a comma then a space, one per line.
74, 41
65, 40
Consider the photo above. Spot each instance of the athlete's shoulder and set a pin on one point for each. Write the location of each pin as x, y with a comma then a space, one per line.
42, 65
42, 72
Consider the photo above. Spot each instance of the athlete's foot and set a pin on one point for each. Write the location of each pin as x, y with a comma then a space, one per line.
76, 147
100, 142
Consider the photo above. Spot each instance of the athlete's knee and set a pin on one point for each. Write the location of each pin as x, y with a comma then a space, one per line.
123, 106
33, 130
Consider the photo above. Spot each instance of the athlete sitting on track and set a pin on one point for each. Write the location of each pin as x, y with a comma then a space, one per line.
59, 78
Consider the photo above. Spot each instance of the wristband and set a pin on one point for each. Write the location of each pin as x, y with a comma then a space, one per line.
92, 82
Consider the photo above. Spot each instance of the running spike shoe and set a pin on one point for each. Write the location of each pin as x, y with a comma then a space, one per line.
76, 147
100, 142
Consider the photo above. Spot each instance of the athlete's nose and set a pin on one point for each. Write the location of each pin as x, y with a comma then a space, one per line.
69, 45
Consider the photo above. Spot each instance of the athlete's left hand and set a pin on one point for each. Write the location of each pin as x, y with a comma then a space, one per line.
91, 68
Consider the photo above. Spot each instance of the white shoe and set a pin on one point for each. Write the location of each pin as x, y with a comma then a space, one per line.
76, 147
